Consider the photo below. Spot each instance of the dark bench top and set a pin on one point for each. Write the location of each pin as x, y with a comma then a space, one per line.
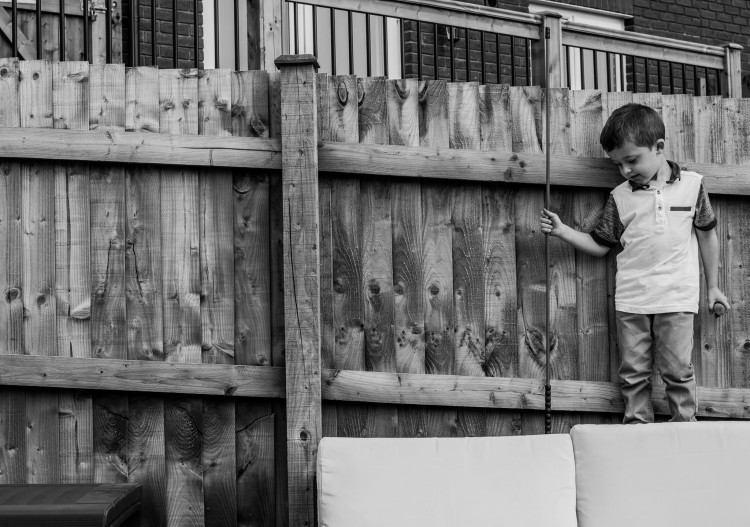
100, 505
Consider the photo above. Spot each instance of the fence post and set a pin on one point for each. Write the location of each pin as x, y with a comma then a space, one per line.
733, 70
553, 21
299, 158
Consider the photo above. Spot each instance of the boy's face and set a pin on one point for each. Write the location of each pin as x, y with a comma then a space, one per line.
638, 164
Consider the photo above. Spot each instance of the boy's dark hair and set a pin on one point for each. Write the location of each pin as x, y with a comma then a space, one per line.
633, 122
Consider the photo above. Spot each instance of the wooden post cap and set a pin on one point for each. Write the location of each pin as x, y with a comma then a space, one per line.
296, 60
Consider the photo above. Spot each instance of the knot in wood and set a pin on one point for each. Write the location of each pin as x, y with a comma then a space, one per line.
398, 289
13, 294
401, 88
342, 93
434, 290
169, 105
35, 76
4, 72
41, 300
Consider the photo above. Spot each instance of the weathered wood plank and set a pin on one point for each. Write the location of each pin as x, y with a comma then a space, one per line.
9, 74
498, 201
143, 267
141, 376
256, 479
110, 415
142, 99
183, 446
377, 232
178, 101
146, 456
11, 261
215, 102
39, 299
467, 243
107, 87
302, 279
406, 216
252, 268
12, 436
217, 429
586, 113
327, 328
250, 106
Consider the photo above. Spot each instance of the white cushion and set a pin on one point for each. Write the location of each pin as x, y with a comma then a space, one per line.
670, 474
447, 482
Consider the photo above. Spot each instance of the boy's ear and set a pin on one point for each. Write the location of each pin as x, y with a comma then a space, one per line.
660, 146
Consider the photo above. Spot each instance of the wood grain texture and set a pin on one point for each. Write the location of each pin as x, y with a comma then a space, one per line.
252, 268
498, 209
107, 97
110, 413
220, 496
12, 436
215, 102
178, 101
184, 469
302, 279
250, 104
406, 216
11, 261
9, 76
467, 241
327, 328
142, 99
146, 456
377, 232
255, 470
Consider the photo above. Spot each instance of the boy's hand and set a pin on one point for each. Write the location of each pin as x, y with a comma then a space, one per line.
714, 295
550, 223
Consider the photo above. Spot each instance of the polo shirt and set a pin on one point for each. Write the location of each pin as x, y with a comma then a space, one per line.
658, 269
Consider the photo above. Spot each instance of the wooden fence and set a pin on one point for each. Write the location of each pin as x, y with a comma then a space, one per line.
142, 323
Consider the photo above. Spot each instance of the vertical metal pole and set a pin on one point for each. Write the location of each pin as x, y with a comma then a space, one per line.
512, 60
468, 57
528, 61
583, 68
385, 47
237, 33
333, 41
62, 30
719, 90
174, 34
596, 69
435, 50
682, 82
547, 386
14, 25
481, 57
108, 32
135, 32
351, 45
453, 53
608, 59
195, 33
658, 67
635, 75
671, 79
566, 54
315, 30
419, 50
368, 47
87, 32
39, 47
295, 27
497, 56
153, 32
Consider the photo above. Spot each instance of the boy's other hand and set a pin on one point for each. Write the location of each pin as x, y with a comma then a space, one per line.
550, 223
715, 295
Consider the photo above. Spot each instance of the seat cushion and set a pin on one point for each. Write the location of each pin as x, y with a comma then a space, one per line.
686, 474
447, 482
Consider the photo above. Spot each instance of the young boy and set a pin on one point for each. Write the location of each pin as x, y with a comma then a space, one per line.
661, 216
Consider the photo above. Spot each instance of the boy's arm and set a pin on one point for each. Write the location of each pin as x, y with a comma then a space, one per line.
551, 224
709, 246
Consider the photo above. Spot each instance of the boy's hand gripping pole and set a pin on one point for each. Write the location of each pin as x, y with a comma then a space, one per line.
547, 386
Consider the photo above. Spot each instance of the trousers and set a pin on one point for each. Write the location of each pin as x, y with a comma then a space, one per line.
666, 341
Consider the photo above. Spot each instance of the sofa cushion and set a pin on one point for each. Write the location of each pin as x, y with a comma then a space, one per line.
686, 474
447, 482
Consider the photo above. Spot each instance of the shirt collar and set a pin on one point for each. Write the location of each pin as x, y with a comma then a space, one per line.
672, 178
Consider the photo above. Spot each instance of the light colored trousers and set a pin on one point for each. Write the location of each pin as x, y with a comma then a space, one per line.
664, 340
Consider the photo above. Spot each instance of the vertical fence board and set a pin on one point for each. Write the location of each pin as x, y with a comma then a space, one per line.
146, 456
346, 232
406, 216
377, 233
142, 99
9, 73
499, 241
217, 303
11, 258
327, 328
107, 97
39, 299
250, 106
256, 492
110, 415
466, 218
180, 219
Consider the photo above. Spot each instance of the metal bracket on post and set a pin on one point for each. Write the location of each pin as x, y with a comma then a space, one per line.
733, 70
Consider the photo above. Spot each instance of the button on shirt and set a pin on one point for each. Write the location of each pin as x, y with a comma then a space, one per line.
657, 270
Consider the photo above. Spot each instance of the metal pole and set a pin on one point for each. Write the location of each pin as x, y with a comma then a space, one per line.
547, 386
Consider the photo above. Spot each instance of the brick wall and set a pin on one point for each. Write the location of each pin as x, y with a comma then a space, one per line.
165, 27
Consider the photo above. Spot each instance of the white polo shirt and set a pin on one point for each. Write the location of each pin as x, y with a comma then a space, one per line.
657, 270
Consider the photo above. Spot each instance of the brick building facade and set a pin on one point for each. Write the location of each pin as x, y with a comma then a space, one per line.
713, 22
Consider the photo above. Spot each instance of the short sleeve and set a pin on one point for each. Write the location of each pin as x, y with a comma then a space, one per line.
704, 219
610, 228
